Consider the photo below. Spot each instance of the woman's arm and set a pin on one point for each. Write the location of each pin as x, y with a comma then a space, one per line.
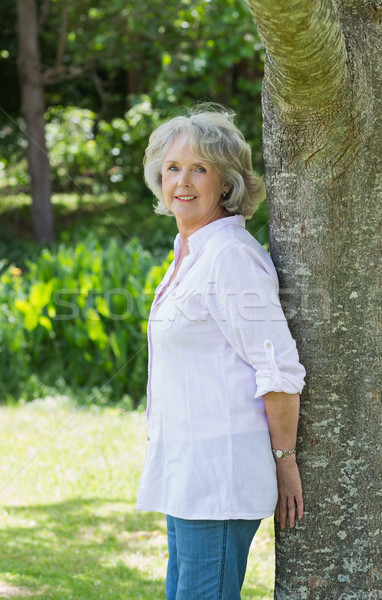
282, 412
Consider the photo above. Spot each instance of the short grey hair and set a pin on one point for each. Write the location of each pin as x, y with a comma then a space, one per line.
213, 137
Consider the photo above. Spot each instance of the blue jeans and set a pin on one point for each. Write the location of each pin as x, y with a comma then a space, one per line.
207, 559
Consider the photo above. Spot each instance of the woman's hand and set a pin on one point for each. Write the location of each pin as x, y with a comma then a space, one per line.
290, 501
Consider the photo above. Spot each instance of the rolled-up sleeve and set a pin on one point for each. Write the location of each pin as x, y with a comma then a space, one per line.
243, 300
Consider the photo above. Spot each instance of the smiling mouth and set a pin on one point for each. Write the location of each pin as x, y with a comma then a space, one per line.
185, 198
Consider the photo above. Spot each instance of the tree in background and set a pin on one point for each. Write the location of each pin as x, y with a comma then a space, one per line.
33, 109
322, 109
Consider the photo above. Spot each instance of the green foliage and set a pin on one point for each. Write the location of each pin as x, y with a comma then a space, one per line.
85, 151
122, 143
13, 164
14, 351
104, 215
190, 50
70, 140
79, 314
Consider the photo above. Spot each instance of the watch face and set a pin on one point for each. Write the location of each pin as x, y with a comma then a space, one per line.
279, 453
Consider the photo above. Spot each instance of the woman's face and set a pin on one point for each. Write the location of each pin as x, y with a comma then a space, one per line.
191, 187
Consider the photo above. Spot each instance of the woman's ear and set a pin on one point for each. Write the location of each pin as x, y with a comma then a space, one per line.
226, 188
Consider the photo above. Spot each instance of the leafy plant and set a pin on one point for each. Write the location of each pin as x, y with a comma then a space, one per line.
79, 314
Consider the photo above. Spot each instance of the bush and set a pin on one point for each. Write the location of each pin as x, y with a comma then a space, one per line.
121, 144
13, 164
103, 155
14, 367
73, 152
85, 152
79, 315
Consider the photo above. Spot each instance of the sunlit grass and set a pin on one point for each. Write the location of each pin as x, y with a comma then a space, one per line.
68, 528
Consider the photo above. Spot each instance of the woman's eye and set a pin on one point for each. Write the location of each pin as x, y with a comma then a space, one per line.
197, 169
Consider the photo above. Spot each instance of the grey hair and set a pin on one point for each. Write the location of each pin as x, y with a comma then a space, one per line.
213, 137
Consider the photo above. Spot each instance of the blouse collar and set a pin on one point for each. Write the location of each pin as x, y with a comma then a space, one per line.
197, 239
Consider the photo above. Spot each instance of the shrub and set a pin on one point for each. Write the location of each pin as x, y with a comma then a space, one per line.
79, 314
103, 155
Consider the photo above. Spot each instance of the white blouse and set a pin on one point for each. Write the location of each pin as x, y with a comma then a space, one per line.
218, 340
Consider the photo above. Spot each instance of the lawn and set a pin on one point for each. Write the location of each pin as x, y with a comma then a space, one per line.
68, 528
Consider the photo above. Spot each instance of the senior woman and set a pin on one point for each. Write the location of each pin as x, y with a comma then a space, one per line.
224, 374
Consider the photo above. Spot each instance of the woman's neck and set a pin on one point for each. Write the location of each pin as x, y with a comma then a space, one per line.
186, 229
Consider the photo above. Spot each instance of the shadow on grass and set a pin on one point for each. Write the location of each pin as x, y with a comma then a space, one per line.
84, 550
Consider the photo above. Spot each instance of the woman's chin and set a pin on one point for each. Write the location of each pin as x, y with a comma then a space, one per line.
184, 209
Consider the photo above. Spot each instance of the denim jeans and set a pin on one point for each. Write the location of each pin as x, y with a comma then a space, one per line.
207, 559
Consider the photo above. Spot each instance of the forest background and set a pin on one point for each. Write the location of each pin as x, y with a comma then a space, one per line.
73, 312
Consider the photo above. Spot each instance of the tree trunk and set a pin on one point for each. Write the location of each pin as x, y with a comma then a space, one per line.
33, 108
322, 108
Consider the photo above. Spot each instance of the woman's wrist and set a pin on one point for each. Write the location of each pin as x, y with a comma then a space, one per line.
286, 468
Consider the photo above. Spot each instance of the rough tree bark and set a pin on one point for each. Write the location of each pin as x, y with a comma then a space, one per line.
33, 108
322, 108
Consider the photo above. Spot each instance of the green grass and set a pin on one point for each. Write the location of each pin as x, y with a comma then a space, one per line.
68, 528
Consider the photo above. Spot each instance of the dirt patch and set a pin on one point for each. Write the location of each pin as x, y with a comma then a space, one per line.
12, 591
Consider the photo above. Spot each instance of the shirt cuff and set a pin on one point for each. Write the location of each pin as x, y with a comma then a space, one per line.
269, 378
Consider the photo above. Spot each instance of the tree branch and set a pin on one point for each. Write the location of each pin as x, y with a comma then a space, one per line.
306, 54
63, 34
44, 13
97, 81
61, 73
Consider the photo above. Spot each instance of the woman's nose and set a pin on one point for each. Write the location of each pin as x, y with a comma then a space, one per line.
184, 177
